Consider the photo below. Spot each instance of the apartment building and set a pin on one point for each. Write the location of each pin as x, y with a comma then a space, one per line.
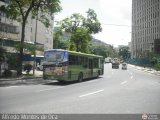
42, 35
10, 32
145, 27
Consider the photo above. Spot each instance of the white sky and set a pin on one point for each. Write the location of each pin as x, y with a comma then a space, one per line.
116, 12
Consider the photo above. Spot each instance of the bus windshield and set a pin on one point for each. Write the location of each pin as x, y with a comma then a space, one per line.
56, 56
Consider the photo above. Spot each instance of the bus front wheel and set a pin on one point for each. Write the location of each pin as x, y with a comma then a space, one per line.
80, 77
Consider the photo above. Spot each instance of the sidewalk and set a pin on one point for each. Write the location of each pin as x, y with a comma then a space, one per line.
146, 69
38, 74
24, 80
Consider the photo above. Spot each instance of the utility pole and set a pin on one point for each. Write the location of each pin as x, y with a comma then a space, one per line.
34, 63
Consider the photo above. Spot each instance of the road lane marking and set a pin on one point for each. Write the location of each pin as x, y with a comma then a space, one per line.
124, 82
48, 89
12, 86
84, 95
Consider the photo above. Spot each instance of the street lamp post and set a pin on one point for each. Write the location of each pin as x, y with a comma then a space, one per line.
34, 64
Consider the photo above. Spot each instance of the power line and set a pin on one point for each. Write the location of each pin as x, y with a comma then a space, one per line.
116, 25
135, 26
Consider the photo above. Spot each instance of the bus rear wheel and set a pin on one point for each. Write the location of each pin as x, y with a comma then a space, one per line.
80, 77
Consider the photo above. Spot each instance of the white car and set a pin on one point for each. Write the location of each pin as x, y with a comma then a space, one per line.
124, 66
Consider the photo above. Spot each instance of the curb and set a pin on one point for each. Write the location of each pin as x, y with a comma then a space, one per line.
21, 78
145, 70
24, 82
151, 72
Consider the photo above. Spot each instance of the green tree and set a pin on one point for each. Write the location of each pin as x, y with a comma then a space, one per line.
101, 50
92, 23
155, 60
27, 46
81, 29
56, 38
59, 42
12, 60
20, 9
73, 22
80, 39
124, 52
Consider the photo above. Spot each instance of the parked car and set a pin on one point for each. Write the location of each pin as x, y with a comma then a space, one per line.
124, 66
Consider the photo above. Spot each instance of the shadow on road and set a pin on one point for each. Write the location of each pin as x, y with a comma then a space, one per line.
65, 83
59, 83
41, 82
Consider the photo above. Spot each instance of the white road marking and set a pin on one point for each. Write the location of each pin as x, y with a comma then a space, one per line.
12, 86
131, 77
48, 89
91, 93
124, 82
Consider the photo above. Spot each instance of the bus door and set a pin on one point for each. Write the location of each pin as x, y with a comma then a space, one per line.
91, 67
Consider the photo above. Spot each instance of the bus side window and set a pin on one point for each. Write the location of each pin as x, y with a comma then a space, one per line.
95, 63
90, 64
76, 60
71, 59
79, 60
70, 63
85, 62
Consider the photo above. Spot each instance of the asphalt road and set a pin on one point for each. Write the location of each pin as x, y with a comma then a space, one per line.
116, 92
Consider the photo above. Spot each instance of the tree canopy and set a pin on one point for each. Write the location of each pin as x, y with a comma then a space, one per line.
20, 10
92, 23
103, 50
59, 41
81, 28
80, 39
124, 52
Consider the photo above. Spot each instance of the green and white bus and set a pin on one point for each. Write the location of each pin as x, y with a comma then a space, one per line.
64, 65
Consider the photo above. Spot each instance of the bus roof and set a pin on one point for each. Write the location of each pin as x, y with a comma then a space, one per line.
74, 52
55, 50
92, 55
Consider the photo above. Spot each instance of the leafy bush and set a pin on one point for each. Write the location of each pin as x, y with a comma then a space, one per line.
7, 73
157, 66
28, 68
